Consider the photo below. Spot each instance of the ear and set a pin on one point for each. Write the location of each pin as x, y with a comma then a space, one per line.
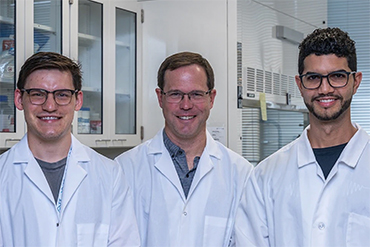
357, 81
299, 83
159, 96
212, 95
79, 101
18, 101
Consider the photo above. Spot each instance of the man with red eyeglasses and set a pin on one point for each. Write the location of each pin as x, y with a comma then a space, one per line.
186, 185
54, 191
315, 191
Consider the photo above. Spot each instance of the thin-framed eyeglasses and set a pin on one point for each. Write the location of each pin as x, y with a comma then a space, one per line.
39, 96
336, 79
196, 96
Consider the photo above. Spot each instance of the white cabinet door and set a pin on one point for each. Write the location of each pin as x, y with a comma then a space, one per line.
109, 52
26, 27
127, 77
9, 130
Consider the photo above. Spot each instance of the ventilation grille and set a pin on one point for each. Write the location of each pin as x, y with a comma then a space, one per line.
258, 80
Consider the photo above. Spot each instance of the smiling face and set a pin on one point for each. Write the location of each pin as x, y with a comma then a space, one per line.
48, 122
327, 103
186, 121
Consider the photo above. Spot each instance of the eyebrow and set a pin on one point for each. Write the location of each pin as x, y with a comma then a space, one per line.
340, 70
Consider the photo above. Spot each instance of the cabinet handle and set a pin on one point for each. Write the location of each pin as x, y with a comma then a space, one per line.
119, 140
103, 140
11, 140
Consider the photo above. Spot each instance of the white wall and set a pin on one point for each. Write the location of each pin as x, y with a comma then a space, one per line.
210, 28
173, 26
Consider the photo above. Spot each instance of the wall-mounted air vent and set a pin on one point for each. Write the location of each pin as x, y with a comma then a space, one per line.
261, 81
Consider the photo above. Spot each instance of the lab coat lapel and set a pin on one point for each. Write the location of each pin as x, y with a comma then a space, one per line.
205, 163
33, 170
75, 173
163, 162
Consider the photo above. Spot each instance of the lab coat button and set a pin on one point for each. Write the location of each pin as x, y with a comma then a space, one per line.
321, 226
185, 213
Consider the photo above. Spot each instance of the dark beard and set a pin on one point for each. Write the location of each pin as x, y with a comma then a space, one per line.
345, 106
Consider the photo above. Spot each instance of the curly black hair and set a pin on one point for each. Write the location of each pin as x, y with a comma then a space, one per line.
328, 41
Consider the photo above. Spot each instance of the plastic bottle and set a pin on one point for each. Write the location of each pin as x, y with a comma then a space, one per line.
84, 120
95, 123
7, 64
6, 115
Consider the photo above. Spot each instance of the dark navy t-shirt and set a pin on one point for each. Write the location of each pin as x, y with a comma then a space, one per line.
326, 157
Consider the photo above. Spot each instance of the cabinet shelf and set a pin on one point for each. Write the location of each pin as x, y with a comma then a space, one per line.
91, 89
6, 20
44, 28
7, 81
87, 39
122, 44
123, 94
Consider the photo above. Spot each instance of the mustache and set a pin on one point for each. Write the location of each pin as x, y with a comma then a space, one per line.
318, 97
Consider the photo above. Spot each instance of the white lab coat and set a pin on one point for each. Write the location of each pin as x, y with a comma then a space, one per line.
165, 216
97, 206
288, 202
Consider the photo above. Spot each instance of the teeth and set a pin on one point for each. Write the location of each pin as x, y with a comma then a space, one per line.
326, 100
49, 118
186, 117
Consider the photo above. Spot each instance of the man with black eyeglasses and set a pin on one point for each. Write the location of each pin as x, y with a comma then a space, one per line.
186, 185
54, 191
315, 191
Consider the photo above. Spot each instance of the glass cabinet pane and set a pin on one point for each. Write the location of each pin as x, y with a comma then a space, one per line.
7, 68
125, 72
47, 25
90, 28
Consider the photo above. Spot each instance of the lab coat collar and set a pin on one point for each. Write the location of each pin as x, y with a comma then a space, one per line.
157, 146
22, 147
206, 164
355, 147
23, 155
75, 173
212, 147
163, 162
165, 165
305, 153
349, 156
78, 151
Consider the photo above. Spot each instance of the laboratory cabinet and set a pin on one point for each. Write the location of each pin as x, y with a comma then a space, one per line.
104, 37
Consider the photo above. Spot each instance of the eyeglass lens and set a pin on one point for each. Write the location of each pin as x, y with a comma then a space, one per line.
196, 96
335, 79
61, 97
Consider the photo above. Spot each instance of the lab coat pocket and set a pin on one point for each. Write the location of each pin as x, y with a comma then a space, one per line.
358, 230
215, 229
92, 235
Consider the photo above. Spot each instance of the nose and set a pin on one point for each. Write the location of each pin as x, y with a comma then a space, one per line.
325, 87
186, 102
49, 104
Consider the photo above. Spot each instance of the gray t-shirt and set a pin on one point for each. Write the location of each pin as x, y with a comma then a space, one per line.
54, 174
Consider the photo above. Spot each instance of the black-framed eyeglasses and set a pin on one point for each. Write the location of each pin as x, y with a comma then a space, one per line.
39, 96
196, 96
336, 79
